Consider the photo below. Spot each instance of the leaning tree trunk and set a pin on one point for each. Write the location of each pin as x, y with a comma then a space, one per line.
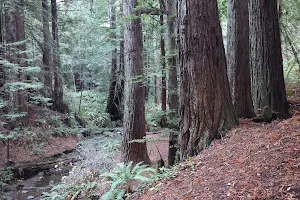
207, 110
238, 53
113, 102
173, 99
268, 87
134, 112
47, 51
58, 104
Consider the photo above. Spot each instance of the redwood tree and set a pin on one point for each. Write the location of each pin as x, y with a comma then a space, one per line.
58, 104
115, 91
2, 72
238, 58
163, 120
15, 54
268, 87
47, 51
173, 99
207, 110
134, 111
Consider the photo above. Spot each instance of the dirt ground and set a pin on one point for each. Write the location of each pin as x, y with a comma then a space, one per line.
21, 152
253, 161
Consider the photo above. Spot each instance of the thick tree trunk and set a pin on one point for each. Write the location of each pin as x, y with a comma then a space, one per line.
207, 110
47, 51
173, 99
268, 87
238, 53
163, 120
134, 113
113, 102
58, 104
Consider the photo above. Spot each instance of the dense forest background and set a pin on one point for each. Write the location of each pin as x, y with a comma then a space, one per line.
120, 72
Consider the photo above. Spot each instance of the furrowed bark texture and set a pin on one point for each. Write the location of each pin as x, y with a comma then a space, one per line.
47, 51
268, 87
207, 110
238, 63
134, 112
173, 99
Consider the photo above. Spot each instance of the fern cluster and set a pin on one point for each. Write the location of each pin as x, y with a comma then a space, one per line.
122, 177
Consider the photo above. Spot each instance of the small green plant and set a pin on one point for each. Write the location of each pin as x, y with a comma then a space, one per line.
61, 192
122, 177
6, 175
55, 193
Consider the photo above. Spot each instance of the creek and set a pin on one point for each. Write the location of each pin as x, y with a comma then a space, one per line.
85, 155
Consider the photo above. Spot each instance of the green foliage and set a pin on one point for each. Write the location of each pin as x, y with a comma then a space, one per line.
61, 192
222, 5
92, 109
153, 115
40, 100
85, 43
290, 22
6, 175
122, 177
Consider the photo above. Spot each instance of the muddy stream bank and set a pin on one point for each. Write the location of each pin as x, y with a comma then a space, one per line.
94, 152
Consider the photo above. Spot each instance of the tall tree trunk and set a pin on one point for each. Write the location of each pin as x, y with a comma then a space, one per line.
268, 87
58, 104
120, 78
156, 90
163, 120
134, 112
14, 32
238, 62
113, 102
47, 51
156, 80
2, 71
173, 99
22, 57
207, 110
9, 38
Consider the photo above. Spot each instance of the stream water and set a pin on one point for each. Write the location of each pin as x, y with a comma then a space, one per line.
33, 187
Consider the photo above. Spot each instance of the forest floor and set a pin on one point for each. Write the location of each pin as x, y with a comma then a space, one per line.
253, 161
39, 140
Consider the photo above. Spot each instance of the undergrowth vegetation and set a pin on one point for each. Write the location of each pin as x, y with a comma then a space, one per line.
91, 105
116, 184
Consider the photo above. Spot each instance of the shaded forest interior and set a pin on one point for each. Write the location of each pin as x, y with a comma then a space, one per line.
116, 99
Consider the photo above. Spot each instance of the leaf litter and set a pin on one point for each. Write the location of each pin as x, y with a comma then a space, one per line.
253, 161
